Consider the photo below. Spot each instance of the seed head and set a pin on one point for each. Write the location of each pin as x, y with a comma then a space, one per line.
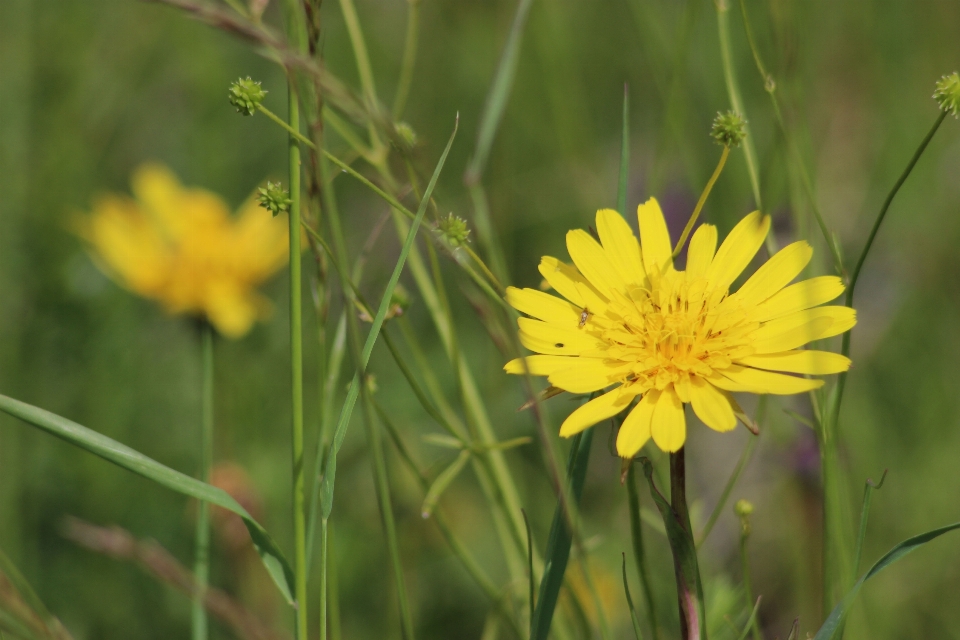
245, 95
407, 134
274, 198
454, 230
947, 93
729, 129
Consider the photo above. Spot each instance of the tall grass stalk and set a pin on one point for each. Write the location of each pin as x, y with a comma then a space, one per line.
201, 566
297, 36
736, 102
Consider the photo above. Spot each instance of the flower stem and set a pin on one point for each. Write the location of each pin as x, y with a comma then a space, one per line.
297, 34
198, 619
703, 199
678, 500
409, 58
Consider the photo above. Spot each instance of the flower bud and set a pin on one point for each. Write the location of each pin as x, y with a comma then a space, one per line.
274, 198
407, 134
729, 129
246, 95
743, 508
454, 230
947, 93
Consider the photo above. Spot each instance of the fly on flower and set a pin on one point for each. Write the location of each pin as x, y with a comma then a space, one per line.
669, 337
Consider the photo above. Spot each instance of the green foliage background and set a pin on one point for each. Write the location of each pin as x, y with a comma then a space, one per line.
88, 90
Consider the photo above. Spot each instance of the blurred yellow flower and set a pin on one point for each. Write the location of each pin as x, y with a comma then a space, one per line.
672, 337
181, 247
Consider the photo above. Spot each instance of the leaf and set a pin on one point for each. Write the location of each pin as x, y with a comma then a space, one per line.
546, 394
443, 440
22, 613
498, 95
633, 610
131, 460
560, 539
343, 423
443, 481
836, 617
683, 548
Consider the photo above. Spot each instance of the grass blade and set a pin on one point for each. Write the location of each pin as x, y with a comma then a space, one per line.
561, 537
868, 488
633, 610
836, 617
751, 619
725, 495
131, 460
624, 153
330, 469
639, 558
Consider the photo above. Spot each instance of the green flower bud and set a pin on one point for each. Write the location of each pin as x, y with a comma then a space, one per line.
947, 93
246, 95
407, 134
274, 198
729, 129
454, 230
743, 508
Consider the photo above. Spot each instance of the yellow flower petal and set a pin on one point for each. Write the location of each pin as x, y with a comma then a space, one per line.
586, 375
711, 405
552, 339
805, 361
539, 365
635, 430
621, 246
543, 306
654, 238
668, 426
592, 261
801, 327
738, 249
775, 274
601, 408
571, 284
737, 378
229, 310
800, 296
703, 245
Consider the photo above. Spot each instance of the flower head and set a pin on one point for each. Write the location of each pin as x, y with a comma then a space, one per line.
246, 95
454, 230
635, 326
947, 93
274, 198
729, 129
182, 248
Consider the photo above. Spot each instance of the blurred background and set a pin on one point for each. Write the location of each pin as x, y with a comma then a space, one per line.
90, 90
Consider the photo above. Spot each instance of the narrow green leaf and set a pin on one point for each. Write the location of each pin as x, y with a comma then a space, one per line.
633, 610
753, 616
683, 548
624, 153
560, 539
330, 469
725, 494
443, 481
868, 489
532, 596
836, 617
131, 460
636, 534
499, 93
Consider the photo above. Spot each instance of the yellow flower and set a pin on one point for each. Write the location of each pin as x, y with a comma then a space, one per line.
672, 337
182, 248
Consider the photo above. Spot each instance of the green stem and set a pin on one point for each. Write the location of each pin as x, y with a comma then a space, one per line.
409, 58
198, 619
638, 555
771, 87
830, 420
747, 586
296, 33
324, 560
703, 199
736, 102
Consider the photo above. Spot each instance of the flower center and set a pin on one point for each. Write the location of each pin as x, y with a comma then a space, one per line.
673, 329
